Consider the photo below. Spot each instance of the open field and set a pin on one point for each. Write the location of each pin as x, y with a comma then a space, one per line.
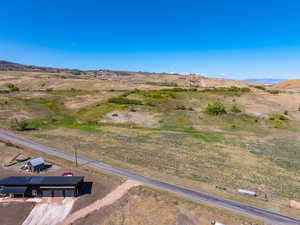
157, 125
133, 208
145, 206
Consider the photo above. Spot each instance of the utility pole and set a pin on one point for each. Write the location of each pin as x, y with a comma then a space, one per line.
75, 152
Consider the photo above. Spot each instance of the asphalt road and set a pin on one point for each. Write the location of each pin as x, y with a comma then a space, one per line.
266, 215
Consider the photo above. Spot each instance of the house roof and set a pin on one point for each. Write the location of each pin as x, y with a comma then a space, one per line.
14, 190
41, 181
37, 161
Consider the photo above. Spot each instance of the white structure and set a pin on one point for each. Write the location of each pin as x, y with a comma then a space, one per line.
246, 192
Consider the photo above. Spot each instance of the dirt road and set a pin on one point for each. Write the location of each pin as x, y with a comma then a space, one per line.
112, 197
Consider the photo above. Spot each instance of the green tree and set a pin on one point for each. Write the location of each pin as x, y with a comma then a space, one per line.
216, 108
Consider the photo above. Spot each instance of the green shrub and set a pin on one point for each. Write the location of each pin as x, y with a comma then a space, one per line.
258, 87
4, 102
277, 117
224, 90
21, 125
299, 108
12, 87
273, 92
216, 108
76, 72
171, 84
180, 107
235, 109
150, 103
124, 101
158, 94
179, 89
126, 94
166, 84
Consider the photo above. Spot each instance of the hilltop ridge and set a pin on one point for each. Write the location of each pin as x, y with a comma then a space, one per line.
289, 84
12, 66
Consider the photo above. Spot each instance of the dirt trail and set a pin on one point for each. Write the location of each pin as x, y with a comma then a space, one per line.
49, 213
107, 200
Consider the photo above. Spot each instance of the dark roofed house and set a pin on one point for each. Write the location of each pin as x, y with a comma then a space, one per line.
41, 186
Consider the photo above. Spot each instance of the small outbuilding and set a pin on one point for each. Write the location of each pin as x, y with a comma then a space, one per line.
42, 186
36, 165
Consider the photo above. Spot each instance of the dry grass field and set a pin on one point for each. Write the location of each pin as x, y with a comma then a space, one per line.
143, 206
289, 85
157, 124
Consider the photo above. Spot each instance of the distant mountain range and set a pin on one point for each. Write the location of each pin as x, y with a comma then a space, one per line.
266, 80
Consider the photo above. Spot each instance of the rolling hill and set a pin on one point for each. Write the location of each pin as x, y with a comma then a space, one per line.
288, 84
194, 131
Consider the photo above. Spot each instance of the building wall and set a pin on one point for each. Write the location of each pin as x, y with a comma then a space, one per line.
53, 191
57, 192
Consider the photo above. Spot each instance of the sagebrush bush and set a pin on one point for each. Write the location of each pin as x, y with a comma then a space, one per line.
277, 117
125, 101
224, 90
216, 108
259, 87
180, 107
3, 102
158, 94
20, 125
12, 87
170, 84
76, 72
235, 109
179, 89
274, 92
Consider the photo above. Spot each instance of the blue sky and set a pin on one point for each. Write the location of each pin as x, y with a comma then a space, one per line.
218, 38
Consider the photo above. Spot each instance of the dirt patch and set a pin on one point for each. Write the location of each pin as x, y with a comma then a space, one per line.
86, 100
111, 198
14, 213
139, 118
49, 213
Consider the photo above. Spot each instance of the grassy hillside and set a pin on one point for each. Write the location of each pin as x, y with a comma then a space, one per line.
196, 132
289, 84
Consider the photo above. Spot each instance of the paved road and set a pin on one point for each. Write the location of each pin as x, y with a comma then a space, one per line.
268, 216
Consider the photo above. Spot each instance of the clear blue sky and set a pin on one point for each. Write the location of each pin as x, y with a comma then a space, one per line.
222, 38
